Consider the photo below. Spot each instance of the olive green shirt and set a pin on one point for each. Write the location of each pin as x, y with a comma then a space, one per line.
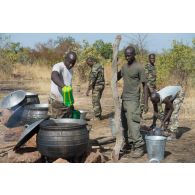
133, 75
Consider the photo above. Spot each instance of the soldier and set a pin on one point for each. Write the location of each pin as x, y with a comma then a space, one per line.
150, 71
172, 97
133, 76
96, 84
61, 77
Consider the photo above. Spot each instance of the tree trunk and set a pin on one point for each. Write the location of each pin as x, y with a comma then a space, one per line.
119, 134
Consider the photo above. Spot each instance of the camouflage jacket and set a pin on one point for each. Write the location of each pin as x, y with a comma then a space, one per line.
96, 76
150, 72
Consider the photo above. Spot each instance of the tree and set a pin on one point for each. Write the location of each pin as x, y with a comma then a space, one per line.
138, 41
104, 49
177, 62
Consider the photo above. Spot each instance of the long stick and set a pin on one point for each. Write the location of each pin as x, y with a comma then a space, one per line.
119, 134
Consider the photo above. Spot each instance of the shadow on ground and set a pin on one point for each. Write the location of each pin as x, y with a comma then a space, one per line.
181, 131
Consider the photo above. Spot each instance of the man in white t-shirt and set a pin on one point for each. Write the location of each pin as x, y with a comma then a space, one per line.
172, 97
61, 76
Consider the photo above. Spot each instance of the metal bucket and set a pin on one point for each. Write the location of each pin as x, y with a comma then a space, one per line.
155, 146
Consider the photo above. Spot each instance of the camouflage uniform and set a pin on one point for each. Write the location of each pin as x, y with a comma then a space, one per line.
58, 109
96, 80
174, 123
150, 71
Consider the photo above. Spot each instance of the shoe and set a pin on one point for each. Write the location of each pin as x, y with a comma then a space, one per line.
97, 118
137, 153
126, 149
172, 137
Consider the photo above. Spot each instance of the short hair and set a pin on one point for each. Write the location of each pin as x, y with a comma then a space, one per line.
70, 55
152, 54
130, 48
91, 59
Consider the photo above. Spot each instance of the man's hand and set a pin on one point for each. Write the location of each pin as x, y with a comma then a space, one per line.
69, 111
162, 126
152, 126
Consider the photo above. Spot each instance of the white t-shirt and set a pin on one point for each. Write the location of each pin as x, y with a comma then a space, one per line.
169, 91
65, 75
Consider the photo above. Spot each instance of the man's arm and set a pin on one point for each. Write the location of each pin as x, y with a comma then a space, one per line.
92, 80
155, 116
169, 105
56, 79
119, 75
145, 88
143, 80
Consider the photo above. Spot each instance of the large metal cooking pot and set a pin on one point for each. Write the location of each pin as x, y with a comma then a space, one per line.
32, 98
34, 112
27, 114
13, 100
63, 138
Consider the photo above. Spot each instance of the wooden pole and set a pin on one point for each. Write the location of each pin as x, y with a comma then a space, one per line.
119, 134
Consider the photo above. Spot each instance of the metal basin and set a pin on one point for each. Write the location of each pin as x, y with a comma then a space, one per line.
13, 100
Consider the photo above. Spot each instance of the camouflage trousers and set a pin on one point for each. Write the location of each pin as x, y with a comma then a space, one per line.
130, 117
174, 123
58, 109
96, 96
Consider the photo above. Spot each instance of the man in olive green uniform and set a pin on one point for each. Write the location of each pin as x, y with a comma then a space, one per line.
96, 84
133, 75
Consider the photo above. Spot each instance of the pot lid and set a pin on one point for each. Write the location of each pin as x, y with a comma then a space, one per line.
13, 99
28, 133
15, 119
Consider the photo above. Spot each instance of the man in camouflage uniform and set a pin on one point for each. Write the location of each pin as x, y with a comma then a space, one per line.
96, 84
133, 76
172, 97
150, 71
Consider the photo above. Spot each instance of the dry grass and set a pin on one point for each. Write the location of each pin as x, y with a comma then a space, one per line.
188, 107
32, 71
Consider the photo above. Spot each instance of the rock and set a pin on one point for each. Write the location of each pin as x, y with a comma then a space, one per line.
61, 160
24, 157
95, 157
12, 134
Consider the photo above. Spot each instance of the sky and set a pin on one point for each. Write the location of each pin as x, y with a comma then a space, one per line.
154, 42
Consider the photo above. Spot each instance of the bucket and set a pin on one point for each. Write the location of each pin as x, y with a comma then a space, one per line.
155, 146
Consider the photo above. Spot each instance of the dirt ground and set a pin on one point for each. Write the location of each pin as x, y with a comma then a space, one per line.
181, 150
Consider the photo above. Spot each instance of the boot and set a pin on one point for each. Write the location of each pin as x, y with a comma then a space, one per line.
137, 152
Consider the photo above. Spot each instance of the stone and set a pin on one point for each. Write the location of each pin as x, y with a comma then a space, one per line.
61, 160
95, 157
13, 134
24, 155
